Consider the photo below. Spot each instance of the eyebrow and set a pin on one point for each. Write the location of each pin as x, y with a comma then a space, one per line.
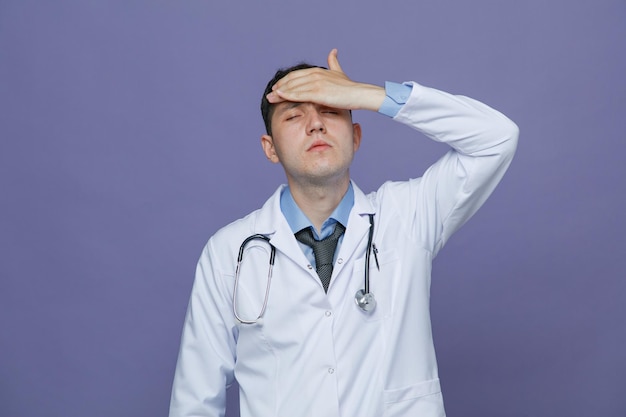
288, 106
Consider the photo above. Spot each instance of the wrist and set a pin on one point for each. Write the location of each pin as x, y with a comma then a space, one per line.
372, 97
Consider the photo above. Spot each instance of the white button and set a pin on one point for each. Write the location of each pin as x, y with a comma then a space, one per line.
331, 370
340, 260
310, 266
328, 313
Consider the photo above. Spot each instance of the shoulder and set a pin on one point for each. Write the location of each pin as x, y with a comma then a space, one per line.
260, 221
394, 191
236, 231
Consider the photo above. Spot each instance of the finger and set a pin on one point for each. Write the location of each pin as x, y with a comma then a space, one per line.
274, 98
300, 89
295, 95
333, 62
279, 96
293, 76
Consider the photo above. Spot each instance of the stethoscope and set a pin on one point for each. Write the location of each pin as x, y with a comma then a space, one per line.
363, 298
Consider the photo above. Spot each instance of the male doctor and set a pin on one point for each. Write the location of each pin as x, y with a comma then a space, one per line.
301, 344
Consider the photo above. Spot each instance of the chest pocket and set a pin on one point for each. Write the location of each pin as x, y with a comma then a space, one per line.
381, 283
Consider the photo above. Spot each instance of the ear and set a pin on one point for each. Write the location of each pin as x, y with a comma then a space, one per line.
267, 142
356, 135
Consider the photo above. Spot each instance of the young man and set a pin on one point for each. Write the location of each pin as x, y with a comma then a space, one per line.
335, 334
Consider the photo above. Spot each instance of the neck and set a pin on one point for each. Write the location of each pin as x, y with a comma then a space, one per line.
318, 202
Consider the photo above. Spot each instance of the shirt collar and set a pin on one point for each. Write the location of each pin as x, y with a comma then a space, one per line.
297, 220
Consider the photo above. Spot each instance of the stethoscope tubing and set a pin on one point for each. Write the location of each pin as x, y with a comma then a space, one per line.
364, 299
368, 254
269, 276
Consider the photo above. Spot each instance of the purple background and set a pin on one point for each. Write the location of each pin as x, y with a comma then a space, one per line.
129, 133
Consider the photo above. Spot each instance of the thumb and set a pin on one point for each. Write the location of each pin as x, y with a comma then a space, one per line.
333, 62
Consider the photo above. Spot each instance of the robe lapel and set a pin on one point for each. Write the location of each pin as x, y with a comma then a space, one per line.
271, 222
357, 228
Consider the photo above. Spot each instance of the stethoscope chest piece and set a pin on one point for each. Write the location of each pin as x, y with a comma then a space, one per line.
365, 301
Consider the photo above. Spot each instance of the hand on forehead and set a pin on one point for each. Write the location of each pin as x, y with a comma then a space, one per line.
328, 87
314, 85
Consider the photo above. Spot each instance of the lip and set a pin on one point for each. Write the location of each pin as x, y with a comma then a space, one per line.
318, 145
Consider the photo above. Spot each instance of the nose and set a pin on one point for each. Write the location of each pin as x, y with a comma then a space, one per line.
315, 122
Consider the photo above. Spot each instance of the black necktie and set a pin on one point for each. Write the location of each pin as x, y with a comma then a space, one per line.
324, 251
